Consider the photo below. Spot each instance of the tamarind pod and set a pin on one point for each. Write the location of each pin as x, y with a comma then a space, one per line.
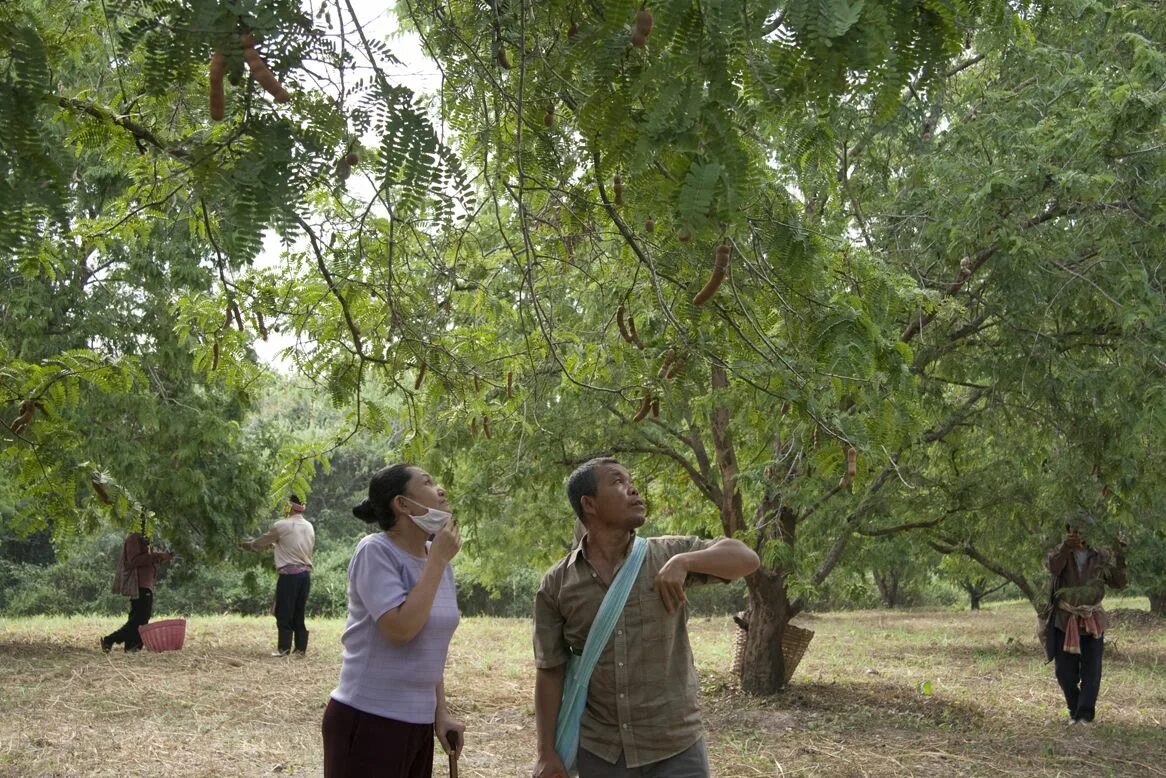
102, 494
666, 363
477, 386
785, 408
474, 427
569, 245
851, 467
238, 316
549, 120
644, 22
675, 369
649, 224
260, 325
503, 58
229, 319
623, 330
215, 356
572, 30
714, 282
656, 408
486, 426
645, 407
420, 376
218, 96
617, 185
509, 384
632, 332
263, 75
1096, 471
352, 158
27, 411
639, 39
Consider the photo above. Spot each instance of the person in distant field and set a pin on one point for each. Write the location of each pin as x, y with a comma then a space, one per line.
294, 539
1078, 621
641, 716
402, 612
134, 578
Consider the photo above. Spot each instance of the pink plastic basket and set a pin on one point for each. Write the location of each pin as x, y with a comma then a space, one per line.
166, 635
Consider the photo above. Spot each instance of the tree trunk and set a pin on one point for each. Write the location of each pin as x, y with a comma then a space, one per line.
769, 613
888, 586
974, 599
1158, 603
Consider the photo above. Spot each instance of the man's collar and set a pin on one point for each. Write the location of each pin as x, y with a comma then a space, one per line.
579, 552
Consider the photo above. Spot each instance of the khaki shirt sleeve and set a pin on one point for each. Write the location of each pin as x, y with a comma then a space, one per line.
669, 546
267, 539
550, 650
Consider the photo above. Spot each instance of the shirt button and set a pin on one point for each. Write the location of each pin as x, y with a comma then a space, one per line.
622, 695
625, 726
620, 664
619, 632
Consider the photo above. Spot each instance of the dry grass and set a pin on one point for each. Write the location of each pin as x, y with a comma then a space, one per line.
221, 706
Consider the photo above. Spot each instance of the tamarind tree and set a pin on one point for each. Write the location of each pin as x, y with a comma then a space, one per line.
822, 271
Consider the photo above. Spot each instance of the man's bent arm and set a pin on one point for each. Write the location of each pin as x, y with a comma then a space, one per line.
728, 559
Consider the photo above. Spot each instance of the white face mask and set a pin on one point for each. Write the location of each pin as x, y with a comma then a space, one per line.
432, 520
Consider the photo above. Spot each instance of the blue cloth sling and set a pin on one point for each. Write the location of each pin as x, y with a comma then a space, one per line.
579, 668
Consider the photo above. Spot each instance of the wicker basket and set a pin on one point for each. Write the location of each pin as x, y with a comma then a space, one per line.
794, 643
166, 635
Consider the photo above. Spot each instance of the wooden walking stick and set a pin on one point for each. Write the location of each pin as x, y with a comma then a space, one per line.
451, 738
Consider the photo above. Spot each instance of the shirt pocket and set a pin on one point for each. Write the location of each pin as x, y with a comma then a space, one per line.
651, 637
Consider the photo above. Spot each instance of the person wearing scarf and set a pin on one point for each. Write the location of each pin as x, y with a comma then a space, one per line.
1081, 574
294, 540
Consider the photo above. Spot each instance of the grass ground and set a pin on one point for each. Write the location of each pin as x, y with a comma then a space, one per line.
879, 693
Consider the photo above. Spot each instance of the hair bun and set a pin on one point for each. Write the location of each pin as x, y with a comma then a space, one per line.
364, 511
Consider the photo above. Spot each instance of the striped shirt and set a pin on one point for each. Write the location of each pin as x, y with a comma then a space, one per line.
394, 681
642, 699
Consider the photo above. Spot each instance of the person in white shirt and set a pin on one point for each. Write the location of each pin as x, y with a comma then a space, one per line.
294, 539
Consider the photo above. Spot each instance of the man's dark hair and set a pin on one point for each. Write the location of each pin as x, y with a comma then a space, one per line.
581, 483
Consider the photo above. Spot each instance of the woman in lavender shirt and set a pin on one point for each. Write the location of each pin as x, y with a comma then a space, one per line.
402, 613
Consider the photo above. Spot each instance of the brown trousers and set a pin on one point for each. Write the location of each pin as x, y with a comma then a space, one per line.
359, 744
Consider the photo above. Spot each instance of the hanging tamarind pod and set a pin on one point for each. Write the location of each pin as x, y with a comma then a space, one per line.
656, 408
215, 356
474, 427
666, 363
218, 96
720, 265
623, 329
420, 376
617, 186
643, 28
645, 407
260, 325
260, 72
102, 494
27, 411
676, 367
851, 467
649, 224
486, 426
509, 384
635, 336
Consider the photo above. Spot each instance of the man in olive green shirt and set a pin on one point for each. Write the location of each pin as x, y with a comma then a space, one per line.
642, 716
